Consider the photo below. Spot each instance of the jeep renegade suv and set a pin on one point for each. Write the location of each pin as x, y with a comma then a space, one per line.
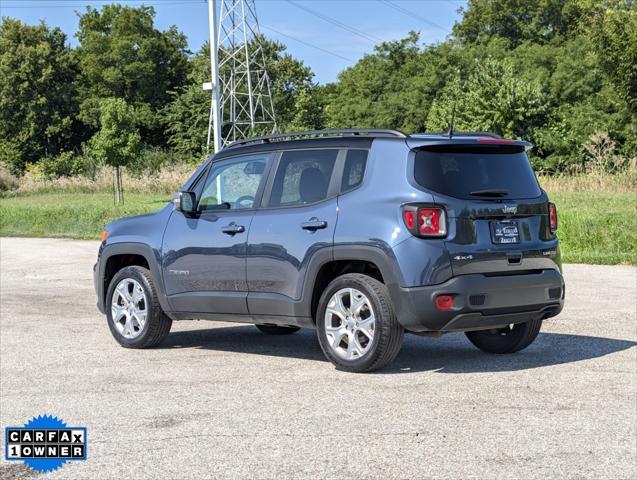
361, 234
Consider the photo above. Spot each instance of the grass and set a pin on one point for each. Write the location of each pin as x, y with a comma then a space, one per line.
595, 227
70, 215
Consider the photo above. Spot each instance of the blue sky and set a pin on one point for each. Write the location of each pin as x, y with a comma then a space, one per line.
286, 21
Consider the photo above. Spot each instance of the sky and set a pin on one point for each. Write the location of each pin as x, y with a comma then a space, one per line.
327, 35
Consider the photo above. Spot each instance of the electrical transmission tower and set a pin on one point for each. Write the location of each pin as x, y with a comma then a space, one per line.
244, 99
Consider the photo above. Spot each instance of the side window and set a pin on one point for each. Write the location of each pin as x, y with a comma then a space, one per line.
233, 183
303, 177
353, 170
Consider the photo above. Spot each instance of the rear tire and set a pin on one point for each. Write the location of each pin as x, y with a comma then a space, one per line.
277, 330
144, 324
353, 308
508, 339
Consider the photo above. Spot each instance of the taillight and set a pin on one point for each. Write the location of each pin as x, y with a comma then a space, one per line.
410, 219
425, 221
553, 217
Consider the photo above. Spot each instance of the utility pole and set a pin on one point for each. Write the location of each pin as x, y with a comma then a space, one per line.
215, 112
241, 103
246, 98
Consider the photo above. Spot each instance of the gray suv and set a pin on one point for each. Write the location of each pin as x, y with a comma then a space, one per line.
361, 234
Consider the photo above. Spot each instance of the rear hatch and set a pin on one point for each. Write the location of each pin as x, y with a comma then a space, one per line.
498, 216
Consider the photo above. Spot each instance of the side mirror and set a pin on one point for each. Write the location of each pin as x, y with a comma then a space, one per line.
185, 202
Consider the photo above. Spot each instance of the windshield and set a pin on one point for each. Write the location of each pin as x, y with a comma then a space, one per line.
476, 173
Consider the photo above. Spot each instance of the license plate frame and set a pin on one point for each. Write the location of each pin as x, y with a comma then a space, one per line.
505, 232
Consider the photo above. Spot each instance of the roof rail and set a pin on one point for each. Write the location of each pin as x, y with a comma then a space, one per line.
353, 132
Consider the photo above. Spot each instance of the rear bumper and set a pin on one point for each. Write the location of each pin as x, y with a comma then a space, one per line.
481, 302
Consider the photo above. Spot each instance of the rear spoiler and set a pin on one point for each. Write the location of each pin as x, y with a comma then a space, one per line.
416, 143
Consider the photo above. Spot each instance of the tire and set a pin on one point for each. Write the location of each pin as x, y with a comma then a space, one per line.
506, 340
387, 334
277, 330
156, 326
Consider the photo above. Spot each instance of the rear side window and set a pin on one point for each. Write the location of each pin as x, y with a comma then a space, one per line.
303, 177
353, 170
474, 173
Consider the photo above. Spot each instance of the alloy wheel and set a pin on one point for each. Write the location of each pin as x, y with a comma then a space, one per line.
349, 323
129, 308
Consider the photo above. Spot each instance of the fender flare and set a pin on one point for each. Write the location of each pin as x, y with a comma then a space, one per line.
382, 258
153, 260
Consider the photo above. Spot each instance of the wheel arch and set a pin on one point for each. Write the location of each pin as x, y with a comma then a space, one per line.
368, 260
120, 255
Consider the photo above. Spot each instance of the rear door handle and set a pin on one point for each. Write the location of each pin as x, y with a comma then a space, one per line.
313, 225
233, 229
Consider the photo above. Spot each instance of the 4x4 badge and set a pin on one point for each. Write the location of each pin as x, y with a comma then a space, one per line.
510, 209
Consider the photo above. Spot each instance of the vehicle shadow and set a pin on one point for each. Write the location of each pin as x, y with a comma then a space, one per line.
451, 353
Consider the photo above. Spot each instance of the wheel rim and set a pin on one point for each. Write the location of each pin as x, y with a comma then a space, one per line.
129, 308
349, 323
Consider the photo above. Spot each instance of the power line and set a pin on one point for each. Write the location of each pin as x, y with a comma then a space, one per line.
333, 21
413, 15
308, 44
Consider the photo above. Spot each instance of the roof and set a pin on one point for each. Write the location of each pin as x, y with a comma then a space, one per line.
362, 137
312, 134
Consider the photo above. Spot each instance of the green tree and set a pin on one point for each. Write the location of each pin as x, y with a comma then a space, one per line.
121, 54
117, 143
615, 35
493, 98
186, 116
517, 21
373, 92
295, 95
37, 93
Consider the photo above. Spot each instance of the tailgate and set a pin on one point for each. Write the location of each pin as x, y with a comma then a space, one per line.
497, 214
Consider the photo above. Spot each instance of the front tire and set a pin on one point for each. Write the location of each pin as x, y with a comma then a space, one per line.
356, 325
133, 312
509, 339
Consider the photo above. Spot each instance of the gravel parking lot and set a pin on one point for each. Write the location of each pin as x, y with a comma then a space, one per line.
223, 400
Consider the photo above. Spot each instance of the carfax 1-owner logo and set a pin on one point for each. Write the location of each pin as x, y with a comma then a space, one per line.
45, 443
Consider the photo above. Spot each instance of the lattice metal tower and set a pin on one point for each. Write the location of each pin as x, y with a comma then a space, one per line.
245, 97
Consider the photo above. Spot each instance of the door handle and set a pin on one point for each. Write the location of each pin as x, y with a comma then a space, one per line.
233, 229
313, 225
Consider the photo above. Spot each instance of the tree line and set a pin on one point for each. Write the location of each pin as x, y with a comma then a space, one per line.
560, 73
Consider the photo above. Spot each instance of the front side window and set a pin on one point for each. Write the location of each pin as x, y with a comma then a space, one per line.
303, 177
233, 183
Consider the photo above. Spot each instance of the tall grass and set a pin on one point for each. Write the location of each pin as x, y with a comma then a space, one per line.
167, 180
622, 182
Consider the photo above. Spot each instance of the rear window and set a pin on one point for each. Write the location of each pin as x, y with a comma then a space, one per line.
485, 172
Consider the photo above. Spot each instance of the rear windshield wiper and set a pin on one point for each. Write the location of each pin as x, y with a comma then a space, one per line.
489, 193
